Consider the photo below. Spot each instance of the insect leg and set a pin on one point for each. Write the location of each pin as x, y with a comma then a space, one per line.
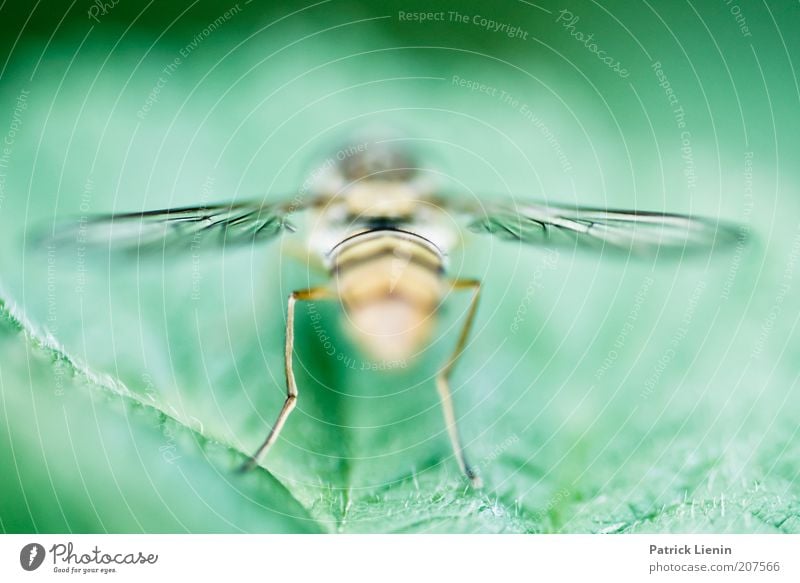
443, 379
316, 293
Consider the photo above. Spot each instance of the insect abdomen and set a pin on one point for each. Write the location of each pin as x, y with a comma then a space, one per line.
390, 285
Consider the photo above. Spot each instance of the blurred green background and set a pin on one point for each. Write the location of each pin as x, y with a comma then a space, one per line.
597, 395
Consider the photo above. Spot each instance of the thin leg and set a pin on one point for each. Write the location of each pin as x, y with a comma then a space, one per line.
443, 380
317, 293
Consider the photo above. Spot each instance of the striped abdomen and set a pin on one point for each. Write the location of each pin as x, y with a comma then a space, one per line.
390, 284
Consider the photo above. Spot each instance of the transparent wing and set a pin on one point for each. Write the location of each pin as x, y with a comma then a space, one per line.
637, 232
178, 229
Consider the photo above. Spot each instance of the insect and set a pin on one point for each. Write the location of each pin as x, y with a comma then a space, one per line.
382, 233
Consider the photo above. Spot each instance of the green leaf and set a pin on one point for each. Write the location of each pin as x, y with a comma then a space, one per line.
596, 394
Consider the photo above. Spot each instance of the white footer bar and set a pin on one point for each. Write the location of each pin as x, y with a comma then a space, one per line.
389, 558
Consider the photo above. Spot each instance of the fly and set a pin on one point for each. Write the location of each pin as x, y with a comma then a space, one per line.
382, 234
